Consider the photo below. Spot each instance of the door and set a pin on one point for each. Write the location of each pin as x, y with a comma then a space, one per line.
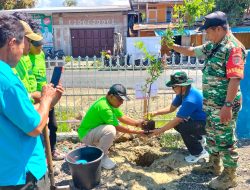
90, 42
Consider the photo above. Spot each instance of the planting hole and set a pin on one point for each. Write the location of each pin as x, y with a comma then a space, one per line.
146, 159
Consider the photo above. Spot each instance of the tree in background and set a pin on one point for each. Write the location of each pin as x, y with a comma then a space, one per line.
69, 3
16, 4
234, 9
189, 11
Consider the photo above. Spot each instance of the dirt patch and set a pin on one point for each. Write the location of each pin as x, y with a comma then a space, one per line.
142, 164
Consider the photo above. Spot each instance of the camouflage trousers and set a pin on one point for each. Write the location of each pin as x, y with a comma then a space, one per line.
221, 138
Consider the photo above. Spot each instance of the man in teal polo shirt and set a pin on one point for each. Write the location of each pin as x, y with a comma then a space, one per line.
101, 122
23, 164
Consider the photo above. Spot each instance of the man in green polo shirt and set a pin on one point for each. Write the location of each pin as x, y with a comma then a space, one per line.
101, 122
38, 69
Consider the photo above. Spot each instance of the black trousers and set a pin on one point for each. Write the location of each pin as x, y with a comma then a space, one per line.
191, 132
52, 125
31, 184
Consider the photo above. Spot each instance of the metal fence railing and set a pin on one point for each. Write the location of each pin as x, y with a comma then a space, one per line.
87, 79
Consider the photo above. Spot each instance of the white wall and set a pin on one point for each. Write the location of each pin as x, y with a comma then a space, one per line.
153, 45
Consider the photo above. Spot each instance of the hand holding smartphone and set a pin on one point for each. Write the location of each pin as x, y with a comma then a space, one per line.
57, 72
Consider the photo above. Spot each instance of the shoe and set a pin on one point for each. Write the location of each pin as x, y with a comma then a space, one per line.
203, 141
213, 166
225, 181
56, 156
107, 163
194, 159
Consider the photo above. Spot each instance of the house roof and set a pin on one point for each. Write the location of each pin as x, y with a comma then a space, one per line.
155, 1
52, 6
240, 29
152, 26
68, 9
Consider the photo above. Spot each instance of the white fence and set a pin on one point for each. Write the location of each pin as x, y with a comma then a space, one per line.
87, 79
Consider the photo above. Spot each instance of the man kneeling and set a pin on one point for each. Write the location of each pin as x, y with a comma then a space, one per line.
101, 122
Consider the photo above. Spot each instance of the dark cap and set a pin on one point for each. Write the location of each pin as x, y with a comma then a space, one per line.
179, 79
216, 18
120, 90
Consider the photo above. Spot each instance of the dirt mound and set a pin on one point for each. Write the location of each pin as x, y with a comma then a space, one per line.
142, 164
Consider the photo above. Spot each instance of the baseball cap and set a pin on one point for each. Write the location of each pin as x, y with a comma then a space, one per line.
216, 18
120, 90
29, 32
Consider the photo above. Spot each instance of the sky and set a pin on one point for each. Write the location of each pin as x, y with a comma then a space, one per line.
81, 3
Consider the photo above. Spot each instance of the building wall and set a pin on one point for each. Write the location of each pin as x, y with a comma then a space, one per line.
63, 22
244, 38
158, 12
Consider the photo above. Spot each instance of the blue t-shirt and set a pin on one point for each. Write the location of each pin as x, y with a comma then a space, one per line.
191, 105
19, 152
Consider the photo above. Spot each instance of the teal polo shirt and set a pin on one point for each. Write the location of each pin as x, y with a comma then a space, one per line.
19, 152
99, 113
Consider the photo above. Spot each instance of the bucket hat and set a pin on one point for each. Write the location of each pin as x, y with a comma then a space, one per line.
179, 78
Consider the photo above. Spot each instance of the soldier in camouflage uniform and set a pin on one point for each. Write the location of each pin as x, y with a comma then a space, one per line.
223, 70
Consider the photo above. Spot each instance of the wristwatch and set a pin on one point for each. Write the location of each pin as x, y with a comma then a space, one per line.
228, 104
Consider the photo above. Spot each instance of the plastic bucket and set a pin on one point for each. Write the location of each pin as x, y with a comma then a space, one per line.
87, 175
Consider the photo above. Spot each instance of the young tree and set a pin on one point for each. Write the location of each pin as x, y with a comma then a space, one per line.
16, 4
234, 9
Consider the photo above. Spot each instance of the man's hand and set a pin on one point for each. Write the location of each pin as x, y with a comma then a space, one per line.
51, 94
157, 132
225, 114
139, 123
142, 133
36, 96
58, 95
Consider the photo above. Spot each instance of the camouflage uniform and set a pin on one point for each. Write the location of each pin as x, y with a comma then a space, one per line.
223, 61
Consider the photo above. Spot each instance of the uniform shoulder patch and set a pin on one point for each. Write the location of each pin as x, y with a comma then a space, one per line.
235, 64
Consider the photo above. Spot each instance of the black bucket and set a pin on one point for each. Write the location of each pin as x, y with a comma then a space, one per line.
87, 175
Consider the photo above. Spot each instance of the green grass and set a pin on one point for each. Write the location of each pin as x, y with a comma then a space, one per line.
64, 115
170, 139
162, 120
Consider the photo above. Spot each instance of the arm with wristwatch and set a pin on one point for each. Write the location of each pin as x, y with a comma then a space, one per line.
226, 110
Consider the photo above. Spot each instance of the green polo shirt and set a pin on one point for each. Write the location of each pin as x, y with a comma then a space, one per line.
39, 69
21, 71
99, 113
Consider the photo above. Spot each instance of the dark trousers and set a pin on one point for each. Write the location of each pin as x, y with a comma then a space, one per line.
191, 132
31, 184
52, 125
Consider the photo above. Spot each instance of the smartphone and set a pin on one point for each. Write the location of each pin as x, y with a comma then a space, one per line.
57, 72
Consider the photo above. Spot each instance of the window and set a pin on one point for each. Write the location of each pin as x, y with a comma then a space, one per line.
169, 14
152, 15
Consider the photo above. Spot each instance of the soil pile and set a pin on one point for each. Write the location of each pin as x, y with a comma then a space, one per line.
142, 164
